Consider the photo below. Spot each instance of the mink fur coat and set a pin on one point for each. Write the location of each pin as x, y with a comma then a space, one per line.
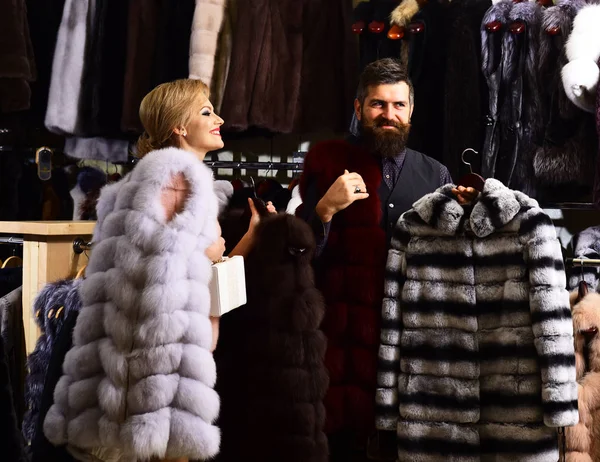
583, 440
476, 361
140, 376
270, 357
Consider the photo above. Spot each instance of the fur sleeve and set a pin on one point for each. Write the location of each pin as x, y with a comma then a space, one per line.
551, 319
386, 398
208, 17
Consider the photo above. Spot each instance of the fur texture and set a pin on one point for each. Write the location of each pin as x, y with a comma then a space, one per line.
295, 201
583, 440
208, 17
224, 191
350, 275
476, 356
273, 346
67, 68
580, 76
404, 12
17, 63
567, 150
50, 299
140, 375
263, 83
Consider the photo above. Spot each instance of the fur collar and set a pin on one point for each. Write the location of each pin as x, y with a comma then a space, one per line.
495, 207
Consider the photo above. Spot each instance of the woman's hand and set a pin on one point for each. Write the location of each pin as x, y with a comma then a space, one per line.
245, 245
255, 218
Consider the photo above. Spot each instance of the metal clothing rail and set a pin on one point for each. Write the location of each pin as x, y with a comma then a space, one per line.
583, 261
255, 165
11, 240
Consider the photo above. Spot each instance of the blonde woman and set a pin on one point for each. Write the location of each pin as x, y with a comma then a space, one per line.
138, 382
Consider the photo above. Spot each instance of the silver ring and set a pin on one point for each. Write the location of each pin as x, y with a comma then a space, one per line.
357, 190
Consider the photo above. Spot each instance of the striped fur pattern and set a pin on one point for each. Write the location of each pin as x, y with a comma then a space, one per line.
476, 361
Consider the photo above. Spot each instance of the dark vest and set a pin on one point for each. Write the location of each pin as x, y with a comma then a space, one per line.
420, 175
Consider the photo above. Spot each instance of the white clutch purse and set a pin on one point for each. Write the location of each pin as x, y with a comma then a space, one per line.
227, 286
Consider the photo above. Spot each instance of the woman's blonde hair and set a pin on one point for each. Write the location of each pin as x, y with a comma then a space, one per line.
170, 105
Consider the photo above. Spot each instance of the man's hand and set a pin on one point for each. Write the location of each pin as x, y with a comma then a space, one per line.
465, 195
340, 195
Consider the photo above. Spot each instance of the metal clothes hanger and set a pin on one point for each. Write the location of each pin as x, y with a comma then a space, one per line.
13, 261
471, 180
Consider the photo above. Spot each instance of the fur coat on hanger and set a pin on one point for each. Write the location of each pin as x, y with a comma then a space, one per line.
62, 115
329, 67
492, 66
263, 83
208, 18
139, 378
476, 361
464, 126
17, 63
142, 31
271, 374
565, 156
523, 102
583, 440
581, 74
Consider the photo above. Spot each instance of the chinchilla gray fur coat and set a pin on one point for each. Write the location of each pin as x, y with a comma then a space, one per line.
476, 361
140, 375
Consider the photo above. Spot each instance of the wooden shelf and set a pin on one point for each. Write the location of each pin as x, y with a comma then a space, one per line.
48, 228
48, 256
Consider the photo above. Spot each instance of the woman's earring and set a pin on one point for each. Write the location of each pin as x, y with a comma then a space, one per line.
184, 134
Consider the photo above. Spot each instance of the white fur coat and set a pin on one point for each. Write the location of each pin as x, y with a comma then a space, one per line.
140, 375
581, 74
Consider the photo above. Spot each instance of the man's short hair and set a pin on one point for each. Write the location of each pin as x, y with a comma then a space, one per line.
386, 71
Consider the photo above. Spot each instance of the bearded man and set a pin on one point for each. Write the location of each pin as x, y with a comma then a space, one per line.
354, 191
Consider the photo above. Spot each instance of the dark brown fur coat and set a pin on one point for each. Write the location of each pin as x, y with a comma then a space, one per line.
270, 373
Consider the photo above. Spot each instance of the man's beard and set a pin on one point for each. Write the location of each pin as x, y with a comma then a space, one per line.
385, 142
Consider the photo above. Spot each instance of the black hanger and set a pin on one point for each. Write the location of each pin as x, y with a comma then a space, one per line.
471, 180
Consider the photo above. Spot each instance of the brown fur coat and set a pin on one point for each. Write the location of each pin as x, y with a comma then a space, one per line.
271, 376
583, 440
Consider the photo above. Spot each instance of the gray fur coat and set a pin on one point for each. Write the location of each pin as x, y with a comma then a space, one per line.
476, 356
140, 375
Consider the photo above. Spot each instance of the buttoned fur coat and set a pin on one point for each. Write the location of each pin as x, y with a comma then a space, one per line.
476, 357
140, 375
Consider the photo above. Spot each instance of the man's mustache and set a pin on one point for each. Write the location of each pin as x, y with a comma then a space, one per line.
382, 122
